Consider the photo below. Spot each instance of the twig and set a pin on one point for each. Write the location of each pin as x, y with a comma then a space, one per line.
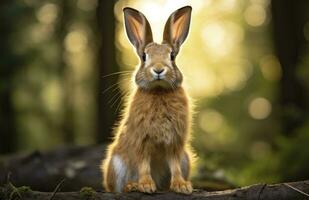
57, 189
296, 189
13, 188
8, 177
15, 191
263, 187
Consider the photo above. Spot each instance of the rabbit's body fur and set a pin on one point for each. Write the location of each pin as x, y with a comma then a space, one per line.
156, 125
151, 150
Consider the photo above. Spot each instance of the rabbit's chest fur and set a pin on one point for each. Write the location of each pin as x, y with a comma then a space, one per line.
158, 117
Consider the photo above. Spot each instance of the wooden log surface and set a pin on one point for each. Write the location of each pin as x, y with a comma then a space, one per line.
285, 191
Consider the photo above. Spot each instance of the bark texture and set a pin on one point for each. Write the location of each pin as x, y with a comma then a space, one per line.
287, 191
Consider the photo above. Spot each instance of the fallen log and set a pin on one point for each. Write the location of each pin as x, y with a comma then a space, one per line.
42, 171
284, 191
79, 166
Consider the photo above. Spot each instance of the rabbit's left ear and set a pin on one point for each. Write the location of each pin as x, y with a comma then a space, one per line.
177, 27
137, 28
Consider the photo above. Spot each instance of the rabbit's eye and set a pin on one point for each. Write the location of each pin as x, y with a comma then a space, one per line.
172, 56
144, 56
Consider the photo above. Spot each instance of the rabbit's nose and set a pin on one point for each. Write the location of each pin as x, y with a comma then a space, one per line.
158, 71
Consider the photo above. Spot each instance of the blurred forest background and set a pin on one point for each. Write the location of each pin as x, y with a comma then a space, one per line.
246, 65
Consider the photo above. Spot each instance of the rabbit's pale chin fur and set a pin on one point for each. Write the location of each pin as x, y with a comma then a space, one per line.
151, 147
157, 85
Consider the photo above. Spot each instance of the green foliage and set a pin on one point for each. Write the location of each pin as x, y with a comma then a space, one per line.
293, 155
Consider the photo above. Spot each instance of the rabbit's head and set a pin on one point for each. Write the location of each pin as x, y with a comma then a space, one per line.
157, 61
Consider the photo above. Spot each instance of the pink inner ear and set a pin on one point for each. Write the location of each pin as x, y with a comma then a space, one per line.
178, 27
136, 28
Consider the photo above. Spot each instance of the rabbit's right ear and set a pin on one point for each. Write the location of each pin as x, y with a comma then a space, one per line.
177, 27
138, 29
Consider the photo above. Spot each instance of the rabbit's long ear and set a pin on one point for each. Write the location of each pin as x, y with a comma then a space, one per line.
177, 27
137, 28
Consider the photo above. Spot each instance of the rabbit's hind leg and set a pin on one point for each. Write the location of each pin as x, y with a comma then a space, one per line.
131, 184
185, 166
115, 174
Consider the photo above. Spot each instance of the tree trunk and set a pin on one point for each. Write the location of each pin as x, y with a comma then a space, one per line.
107, 65
289, 18
8, 66
67, 125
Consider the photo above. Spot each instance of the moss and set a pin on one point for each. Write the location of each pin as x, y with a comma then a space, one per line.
24, 189
12, 192
87, 192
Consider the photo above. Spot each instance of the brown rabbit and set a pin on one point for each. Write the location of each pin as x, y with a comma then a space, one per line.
150, 150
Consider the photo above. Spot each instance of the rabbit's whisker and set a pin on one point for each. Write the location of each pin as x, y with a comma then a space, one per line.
121, 100
115, 85
118, 73
118, 98
115, 96
110, 87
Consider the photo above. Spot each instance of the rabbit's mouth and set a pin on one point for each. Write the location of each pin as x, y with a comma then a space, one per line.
160, 83
159, 78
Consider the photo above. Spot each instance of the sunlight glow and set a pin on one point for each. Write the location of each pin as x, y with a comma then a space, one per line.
215, 43
234, 78
205, 83
228, 5
158, 13
210, 120
220, 38
213, 35
52, 95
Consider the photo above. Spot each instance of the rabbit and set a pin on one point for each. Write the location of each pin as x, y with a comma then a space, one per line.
150, 150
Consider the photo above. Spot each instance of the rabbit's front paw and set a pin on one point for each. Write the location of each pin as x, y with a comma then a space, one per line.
181, 186
131, 187
146, 185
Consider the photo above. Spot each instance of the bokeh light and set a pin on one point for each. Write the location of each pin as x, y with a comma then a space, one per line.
48, 13
76, 41
270, 67
255, 15
87, 5
259, 108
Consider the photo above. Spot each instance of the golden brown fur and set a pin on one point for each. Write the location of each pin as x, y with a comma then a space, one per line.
151, 150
